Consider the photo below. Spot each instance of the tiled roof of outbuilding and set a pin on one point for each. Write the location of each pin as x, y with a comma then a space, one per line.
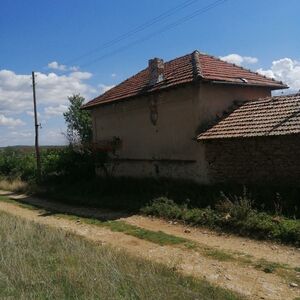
186, 69
278, 115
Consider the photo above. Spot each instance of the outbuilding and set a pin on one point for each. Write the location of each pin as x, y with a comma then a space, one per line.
257, 142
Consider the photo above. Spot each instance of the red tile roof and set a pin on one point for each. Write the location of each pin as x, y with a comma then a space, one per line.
185, 69
278, 115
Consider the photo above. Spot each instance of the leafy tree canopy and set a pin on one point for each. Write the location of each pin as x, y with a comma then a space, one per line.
79, 123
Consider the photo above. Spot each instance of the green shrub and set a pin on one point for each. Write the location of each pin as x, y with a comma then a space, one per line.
16, 164
235, 216
66, 162
163, 207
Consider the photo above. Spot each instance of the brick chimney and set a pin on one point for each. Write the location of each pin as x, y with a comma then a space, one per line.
156, 70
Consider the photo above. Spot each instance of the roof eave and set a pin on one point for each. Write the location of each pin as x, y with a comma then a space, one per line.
203, 138
88, 106
277, 86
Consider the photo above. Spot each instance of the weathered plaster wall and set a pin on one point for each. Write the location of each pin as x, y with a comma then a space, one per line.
217, 98
167, 148
254, 160
170, 138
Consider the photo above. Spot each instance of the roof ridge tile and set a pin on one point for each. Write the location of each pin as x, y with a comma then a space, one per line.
196, 64
183, 70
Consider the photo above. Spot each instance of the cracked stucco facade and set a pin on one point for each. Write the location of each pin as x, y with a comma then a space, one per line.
158, 131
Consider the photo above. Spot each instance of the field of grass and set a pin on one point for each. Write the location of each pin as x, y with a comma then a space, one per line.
37, 262
161, 238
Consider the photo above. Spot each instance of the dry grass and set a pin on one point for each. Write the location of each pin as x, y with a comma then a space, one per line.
15, 185
37, 262
161, 238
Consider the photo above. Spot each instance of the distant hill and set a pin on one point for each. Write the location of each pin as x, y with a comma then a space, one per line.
31, 148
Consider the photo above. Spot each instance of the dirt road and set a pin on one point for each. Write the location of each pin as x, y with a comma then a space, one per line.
243, 278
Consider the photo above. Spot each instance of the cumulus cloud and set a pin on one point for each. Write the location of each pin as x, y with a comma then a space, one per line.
55, 110
53, 137
81, 75
54, 65
21, 134
52, 92
239, 60
286, 70
11, 122
26, 137
104, 88
51, 89
31, 114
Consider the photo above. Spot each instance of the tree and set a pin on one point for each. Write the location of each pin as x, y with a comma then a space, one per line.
79, 122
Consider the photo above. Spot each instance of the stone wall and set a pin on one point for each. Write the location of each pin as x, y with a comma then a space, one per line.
254, 160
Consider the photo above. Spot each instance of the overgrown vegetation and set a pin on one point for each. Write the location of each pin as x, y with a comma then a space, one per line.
234, 215
69, 176
132, 194
54, 264
57, 163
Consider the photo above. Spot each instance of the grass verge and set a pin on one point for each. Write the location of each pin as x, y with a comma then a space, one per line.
38, 262
161, 238
15, 185
158, 237
236, 217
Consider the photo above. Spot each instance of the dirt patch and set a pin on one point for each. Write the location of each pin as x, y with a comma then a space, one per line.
241, 278
258, 249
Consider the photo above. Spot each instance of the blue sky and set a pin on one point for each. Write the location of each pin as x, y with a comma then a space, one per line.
49, 36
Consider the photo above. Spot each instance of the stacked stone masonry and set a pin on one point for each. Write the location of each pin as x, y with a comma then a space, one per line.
254, 160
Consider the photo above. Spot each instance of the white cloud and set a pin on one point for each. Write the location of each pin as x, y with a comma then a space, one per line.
31, 114
56, 66
286, 70
21, 134
51, 89
113, 75
74, 68
11, 122
55, 110
104, 88
81, 75
239, 60
52, 100
26, 137
53, 137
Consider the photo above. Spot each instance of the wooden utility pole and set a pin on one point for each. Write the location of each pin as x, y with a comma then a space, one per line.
36, 125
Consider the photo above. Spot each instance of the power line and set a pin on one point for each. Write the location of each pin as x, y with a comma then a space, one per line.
160, 31
137, 29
